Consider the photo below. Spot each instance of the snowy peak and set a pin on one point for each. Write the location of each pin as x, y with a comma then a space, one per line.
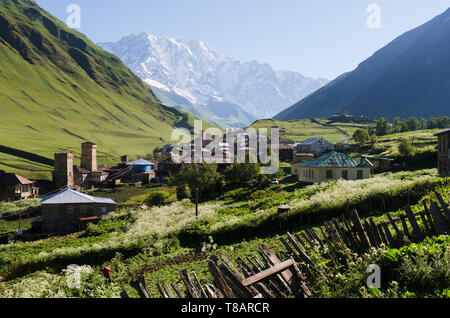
195, 72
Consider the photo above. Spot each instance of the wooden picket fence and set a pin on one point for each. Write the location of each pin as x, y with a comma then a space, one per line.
266, 275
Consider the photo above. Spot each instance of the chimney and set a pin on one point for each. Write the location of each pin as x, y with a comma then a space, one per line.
63, 174
89, 156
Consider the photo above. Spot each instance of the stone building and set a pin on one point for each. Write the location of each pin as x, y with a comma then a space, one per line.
66, 210
444, 152
63, 175
89, 156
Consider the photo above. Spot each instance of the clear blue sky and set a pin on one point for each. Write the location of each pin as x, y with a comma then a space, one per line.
319, 38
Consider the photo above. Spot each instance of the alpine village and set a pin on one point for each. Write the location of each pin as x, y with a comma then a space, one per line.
88, 176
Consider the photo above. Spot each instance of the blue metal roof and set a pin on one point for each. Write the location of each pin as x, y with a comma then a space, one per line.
71, 196
140, 162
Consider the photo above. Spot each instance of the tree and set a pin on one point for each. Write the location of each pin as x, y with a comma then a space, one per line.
397, 125
361, 136
405, 148
413, 123
242, 173
422, 123
203, 176
383, 127
431, 123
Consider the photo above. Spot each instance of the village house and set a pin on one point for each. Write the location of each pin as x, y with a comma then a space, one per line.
15, 187
69, 210
314, 145
332, 166
444, 152
300, 158
378, 163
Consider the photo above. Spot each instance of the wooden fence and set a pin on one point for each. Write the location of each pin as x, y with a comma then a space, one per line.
266, 275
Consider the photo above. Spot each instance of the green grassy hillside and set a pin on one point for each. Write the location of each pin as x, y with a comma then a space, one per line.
299, 130
58, 89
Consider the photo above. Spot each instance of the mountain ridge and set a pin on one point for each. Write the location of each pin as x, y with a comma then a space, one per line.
58, 89
407, 77
196, 73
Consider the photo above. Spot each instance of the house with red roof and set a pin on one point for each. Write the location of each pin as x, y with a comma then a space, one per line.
14, 187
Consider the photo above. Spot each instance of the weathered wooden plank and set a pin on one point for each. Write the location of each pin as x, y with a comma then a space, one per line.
236, 273
219, 281
199, 286
412, 220
141, 287
379, 233
124, 294
396, 229
168, 291
405, 227
177, 290
290, 250
426, 225
210, 292
429, 219
268, 272
302, 253
285, 277
299, 283
359, 228
444, 205
392, 242
234, 282
439, 222
192, 290
373, 238
298, 238
263, 288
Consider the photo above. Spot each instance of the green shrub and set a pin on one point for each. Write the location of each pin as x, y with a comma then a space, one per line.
157, 198
183, 192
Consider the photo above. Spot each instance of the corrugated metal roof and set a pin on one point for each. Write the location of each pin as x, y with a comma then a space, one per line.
71, 196
442, 132
334, 159
311, 141
140, 162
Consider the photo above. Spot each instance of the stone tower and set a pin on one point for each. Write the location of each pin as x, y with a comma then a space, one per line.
63, 174
89, 156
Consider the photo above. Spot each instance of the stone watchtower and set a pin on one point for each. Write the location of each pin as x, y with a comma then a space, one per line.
63, 174
89, 156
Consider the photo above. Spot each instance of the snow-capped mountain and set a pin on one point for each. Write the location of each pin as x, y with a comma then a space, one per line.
190, 74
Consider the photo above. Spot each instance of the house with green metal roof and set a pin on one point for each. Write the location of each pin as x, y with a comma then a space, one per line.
332, 166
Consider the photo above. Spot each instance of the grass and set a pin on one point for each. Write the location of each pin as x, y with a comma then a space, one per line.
58, 89
149, 236
300, 130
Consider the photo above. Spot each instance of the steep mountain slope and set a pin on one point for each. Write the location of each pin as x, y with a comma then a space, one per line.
408, 77
192, 74
58, 89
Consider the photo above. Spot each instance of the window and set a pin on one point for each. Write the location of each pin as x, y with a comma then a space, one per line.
329, 174
359, 174
83, 210
104, 209
69, 210
345, 174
